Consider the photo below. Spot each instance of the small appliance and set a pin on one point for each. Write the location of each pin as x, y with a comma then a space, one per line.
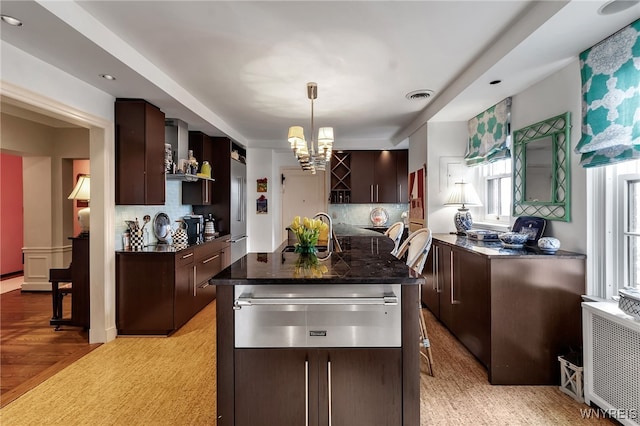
195, 228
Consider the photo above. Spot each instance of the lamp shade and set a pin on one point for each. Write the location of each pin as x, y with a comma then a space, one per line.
325, 138
463, 193
296, 137
82, 190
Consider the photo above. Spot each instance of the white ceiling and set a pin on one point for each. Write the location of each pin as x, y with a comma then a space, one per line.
240, 68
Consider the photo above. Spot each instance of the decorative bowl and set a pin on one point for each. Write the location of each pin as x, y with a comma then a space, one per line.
549, 245
513, 239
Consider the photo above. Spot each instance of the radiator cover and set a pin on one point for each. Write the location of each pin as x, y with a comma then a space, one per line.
612, 361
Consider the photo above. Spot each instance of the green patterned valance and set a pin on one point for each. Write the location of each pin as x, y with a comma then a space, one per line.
489, 135
611, 99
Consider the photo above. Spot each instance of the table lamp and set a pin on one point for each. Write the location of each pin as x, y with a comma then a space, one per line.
82, 192
463, 194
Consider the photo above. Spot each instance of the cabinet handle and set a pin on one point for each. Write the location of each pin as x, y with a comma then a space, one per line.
194, 280
187, 255
435, 270
453, 300
329, 385
210, 259
206, 192
371, 193
306, 392
377, 193
400, 193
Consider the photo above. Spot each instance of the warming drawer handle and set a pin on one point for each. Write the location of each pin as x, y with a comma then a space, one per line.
237, 240
387, 300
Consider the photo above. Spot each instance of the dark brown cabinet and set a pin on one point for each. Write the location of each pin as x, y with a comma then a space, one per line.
370, 177
158, 292
139, 150
319, 386
515, 310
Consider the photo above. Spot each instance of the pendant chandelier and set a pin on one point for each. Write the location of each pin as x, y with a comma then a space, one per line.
317, 155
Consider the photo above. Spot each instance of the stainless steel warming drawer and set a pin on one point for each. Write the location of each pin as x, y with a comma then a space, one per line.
332, 315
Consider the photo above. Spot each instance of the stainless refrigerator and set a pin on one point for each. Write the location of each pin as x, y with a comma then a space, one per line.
238, 210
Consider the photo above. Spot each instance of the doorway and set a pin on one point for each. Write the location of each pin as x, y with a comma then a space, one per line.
303, 194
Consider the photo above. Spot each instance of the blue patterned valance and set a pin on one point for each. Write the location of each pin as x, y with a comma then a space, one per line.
611, 99
489, 135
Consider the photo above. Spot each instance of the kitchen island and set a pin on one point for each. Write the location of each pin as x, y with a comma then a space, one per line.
319, 341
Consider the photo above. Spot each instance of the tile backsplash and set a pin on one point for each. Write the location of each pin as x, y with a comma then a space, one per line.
360, 214
173, 208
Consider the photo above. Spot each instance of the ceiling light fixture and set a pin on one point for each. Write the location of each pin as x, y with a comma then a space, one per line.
318, 156
616, 6
11, 20
107, 77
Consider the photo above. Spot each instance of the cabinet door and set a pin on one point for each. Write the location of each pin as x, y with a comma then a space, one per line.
362, 187
198, 193
384, 166
470, 291
402, 175
276, 387
444, 275
154, 156
185, 290
363, 387
430, 294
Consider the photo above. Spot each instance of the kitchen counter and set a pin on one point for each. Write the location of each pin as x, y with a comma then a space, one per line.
494, 249
339, 344
170, 248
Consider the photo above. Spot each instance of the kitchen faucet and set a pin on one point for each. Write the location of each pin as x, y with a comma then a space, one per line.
330, 236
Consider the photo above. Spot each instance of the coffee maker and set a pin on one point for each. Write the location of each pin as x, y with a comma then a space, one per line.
195, 228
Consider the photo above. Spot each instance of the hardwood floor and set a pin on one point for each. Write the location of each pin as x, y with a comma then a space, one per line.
30, 350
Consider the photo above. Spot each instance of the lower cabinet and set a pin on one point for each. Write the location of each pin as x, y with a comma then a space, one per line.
158, 292
514, 310
318, 387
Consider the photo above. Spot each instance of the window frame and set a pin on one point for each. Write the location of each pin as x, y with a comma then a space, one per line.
622, 231
486, 174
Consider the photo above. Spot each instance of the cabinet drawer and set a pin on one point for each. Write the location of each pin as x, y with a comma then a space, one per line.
208, 267
184, 257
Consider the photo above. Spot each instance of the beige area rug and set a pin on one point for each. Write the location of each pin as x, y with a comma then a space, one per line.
460, 393
131, 381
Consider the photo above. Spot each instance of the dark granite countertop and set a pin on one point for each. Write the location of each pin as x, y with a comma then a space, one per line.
169, 248
495, 248
365, 259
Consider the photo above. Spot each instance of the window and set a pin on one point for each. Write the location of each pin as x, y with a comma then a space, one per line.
614, 223
497, 194
630, 231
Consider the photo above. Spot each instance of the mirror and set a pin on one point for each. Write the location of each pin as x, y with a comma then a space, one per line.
541, 169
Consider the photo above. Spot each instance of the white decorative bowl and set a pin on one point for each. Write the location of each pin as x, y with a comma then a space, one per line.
513, 239
549, 244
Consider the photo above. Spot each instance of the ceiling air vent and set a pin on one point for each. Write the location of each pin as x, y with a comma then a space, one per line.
419, 94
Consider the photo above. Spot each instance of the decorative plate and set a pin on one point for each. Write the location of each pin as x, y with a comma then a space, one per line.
530, 225
162, 227
379, 216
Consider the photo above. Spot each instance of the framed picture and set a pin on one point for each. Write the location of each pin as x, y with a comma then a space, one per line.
530, 225
262, 185
261, 205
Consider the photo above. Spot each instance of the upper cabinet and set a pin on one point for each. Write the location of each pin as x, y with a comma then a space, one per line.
139, 150
369, 177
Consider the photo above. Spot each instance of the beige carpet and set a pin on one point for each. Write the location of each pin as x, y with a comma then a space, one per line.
171, 381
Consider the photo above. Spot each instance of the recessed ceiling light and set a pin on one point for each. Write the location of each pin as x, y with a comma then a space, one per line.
107, 76
615, 6
11, 20
495, 82
419, 94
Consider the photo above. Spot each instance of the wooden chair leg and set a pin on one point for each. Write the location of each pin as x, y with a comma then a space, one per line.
425, 344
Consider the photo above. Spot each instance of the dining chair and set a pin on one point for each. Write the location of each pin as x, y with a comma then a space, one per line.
417, 247
395, 232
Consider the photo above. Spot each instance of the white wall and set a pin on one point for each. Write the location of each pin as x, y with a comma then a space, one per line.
553, 96
261, 227
447, 140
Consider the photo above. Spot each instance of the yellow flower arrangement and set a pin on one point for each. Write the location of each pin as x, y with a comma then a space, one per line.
307, 232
